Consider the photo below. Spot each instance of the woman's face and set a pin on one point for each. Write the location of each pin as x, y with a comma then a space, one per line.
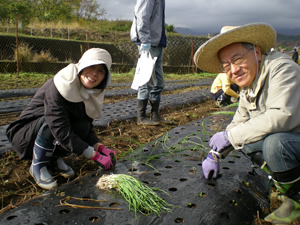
92, 76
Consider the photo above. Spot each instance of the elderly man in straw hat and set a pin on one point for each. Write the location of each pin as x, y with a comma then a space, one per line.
266, 125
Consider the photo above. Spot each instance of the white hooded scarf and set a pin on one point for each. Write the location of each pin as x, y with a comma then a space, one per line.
69, 86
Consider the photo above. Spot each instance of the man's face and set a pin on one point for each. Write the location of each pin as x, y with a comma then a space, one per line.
244, 73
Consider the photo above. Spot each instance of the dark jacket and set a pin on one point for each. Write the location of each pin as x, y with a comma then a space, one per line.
48, 105
295, 56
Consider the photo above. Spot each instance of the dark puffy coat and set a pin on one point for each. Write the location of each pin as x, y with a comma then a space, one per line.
48, 105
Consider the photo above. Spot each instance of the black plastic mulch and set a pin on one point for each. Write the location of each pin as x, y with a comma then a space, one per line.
125, 110
235, 198
170, 85
19, 105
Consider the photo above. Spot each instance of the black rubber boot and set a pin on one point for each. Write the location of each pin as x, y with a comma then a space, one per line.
141, 114
223, 100
258, 159
154, 116
288, 182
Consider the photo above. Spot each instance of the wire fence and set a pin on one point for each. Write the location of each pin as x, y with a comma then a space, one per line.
22, 50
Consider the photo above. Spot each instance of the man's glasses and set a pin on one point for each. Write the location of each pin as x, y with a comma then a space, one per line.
237, 60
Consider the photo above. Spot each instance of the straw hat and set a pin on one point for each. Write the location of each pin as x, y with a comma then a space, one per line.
259, 34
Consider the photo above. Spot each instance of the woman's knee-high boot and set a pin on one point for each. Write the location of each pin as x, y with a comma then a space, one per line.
42, 154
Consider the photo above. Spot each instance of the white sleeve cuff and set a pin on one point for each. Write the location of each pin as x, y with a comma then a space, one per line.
88, 152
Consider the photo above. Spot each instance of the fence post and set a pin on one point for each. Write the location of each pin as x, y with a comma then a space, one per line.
87, 39
7, 25
192, 55
17, 45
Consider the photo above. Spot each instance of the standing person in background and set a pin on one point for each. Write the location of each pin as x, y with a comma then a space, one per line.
58, 119
148, 33
295, 56
266, 125
224, 91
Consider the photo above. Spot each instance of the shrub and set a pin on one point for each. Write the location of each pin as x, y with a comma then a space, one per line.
44, 56
25, 54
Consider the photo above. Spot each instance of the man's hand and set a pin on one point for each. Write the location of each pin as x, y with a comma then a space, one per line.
210, 166
145, 47
219, 141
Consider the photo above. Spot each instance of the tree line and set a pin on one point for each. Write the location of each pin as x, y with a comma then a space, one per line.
54, 10
49, 10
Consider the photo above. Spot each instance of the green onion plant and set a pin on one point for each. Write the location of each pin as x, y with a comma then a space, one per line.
141, 198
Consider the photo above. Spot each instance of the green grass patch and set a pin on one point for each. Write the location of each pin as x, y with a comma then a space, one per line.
35, 80
23, 80
227, 113
189, 76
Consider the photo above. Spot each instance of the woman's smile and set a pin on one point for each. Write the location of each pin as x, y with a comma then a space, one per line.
92, 76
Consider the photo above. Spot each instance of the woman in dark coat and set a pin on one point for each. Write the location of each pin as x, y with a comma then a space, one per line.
58, 119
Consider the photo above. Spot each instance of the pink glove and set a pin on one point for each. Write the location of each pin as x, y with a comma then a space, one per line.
219, 141
210, 166
107, 152
103, 161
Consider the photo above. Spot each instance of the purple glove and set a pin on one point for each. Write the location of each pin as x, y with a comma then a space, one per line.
103, 161
219, 141
107, 152
210, 166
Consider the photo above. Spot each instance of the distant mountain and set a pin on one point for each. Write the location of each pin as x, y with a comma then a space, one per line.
188, 31
295, 31
287, 40
285, 37
185, 31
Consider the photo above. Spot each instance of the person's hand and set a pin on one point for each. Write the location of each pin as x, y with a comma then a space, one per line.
219, 141
107, 152
210, 166
102, 160
145, 47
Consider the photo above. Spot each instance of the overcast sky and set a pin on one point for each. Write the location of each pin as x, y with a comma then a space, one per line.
209, 16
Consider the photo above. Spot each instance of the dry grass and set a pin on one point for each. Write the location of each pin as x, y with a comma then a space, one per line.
44, 56
57, 25
23, 53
